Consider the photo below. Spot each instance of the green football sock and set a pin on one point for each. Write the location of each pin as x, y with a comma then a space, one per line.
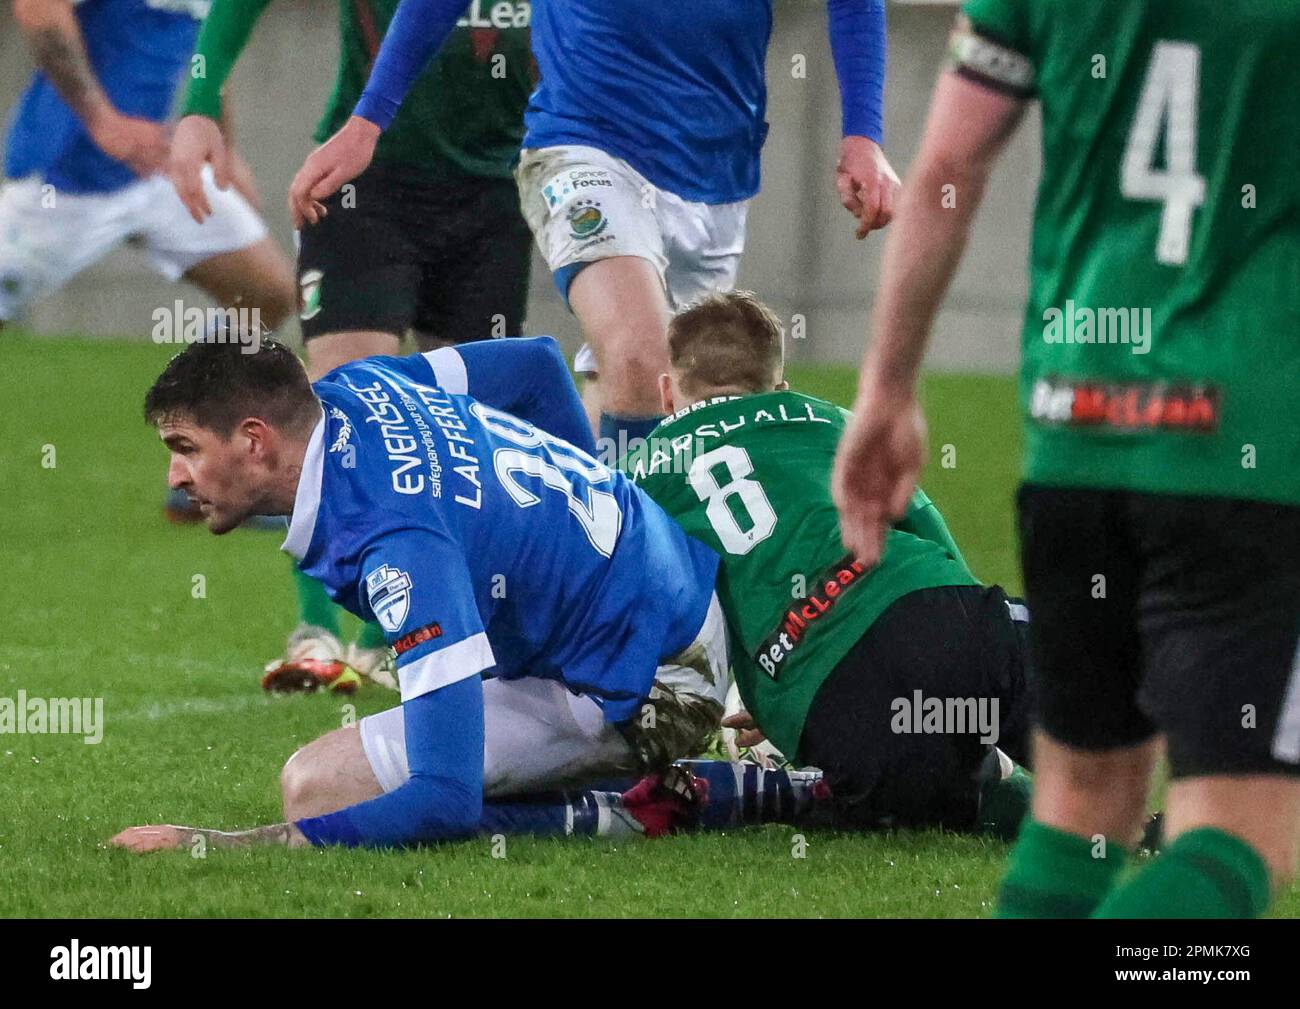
371, 636
1205, 873
315, 607
1052, 874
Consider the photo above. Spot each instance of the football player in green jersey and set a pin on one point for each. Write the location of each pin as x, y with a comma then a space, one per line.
429, 239
897, 682
1160, 514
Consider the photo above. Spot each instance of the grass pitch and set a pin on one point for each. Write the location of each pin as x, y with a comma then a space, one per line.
171, 626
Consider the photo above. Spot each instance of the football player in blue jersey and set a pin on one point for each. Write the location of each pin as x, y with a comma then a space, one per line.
640, 158
552, 625
84, 151
83, 155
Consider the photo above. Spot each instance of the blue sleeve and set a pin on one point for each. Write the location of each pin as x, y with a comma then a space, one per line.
858, 43
524, 376
418, 29
443, 798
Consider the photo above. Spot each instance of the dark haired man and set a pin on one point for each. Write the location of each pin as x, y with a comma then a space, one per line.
483, 545
898, 681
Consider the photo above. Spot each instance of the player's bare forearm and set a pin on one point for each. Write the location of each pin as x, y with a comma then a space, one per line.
60, 53
284, 834
165, 837
967, 128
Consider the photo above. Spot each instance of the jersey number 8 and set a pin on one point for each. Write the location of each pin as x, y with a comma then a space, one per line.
747, 495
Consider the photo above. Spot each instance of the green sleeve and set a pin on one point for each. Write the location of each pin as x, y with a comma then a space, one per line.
924, 521
223, 37
1004, 20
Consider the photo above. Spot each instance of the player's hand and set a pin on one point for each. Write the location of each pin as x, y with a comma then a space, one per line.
747, 733
159, 837
140, 144
341, 158
876, 468
198, 142
867, 184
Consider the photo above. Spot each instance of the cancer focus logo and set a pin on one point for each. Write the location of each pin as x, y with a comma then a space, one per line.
586, 220
389, 590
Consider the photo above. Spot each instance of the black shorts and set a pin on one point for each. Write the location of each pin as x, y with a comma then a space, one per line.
449, 259
1159, 613
957, 645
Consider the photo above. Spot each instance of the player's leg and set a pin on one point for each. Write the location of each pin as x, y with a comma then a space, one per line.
599, 233
230, 255
872, 726
48, 237
258, 276
1221, 624
1094, 755
476, 267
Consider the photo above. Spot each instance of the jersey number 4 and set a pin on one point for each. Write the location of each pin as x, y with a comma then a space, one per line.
1169, 98
726, 502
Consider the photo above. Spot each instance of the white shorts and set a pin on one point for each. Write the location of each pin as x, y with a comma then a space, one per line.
539, 736
584, 205
47, 237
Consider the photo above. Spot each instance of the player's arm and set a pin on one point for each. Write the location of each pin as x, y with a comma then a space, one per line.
202, 136
969, 123
60, 52
867, 184
524, 376
417, 31
418, 588
420, 585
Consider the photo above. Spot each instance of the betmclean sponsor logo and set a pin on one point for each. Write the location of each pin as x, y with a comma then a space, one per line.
1189, 407
417, 637
1119, 326
497, 14
827, 588
948, 716
177, 323
60, 716
75, 962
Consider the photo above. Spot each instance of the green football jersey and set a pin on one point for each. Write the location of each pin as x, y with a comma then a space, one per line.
1161, 340
464, 116
750, 476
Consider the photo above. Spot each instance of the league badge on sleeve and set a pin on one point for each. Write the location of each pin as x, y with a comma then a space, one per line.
389, 591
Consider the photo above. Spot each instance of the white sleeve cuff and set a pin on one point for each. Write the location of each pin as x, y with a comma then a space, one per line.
446, 666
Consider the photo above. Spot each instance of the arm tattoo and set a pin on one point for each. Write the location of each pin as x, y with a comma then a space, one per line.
61, 55
286, 834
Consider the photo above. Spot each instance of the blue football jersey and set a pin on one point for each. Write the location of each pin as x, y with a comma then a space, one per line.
484, 545
139, 50
677, 88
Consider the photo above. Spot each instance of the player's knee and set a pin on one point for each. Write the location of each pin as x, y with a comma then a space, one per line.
303, 788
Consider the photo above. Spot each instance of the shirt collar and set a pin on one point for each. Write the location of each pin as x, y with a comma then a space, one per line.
306, 502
